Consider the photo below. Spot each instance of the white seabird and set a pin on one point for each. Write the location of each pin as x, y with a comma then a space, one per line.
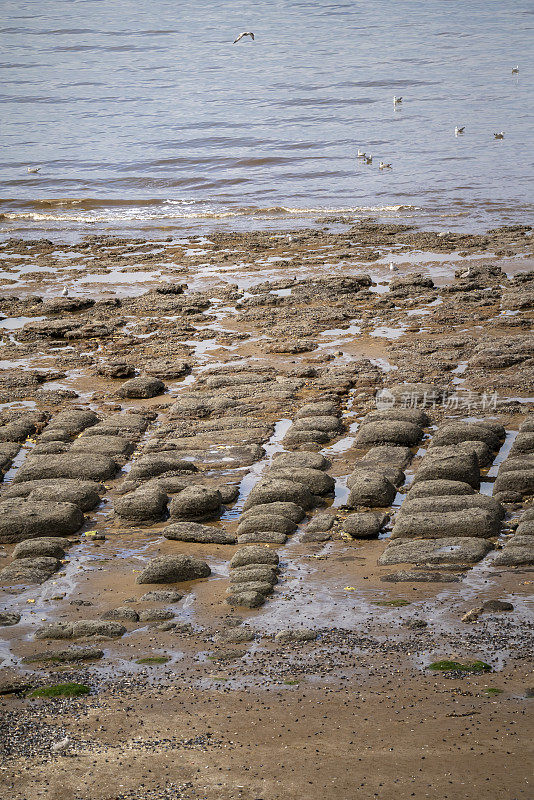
368, 159
499, 135
65, 292
245, 33
392, 267
458, 130
382, 165
34, 169
397, 101
361, 154
60, 747
515, 70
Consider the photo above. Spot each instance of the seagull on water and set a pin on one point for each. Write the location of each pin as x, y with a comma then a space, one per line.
61, 746
368, 159
397, 101
245, 33
499, 135
65, 292
466, 274
382, 165
458, 131
361, 154
34, 169
515, 70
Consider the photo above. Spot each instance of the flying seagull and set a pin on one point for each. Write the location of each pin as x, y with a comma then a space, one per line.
397, 100
499, 135
382, 165
33, 169
245, 33
368, 159
515, 70
458, 130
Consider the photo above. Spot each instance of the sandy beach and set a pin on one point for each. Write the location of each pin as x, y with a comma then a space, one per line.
267, 510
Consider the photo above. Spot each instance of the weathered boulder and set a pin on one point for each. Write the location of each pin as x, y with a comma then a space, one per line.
146, 504
80, 466
253, 555
470, 522
246, 599
439, 488
155, 615
29, 570
24, 519
457, 432
84, 494
9, 618
448, 550
275, 490
451, 503
262, 587
396, 431
194, 532
296, 438
414, 415
365, 525
266, 573
196, 502
370, 488
289, 510
461, 467
269, 537
107, 445
321, 408
481, 450
320, 522
297, 460
73, 421
122, 613
151, 466
265, 522
53, 547
142, 387
395, 455
173, 569
97, 627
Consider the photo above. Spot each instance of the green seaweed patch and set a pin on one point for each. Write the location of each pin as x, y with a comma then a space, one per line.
153, 660
392, 603
493, 691
291, 683
456, 666
62, 690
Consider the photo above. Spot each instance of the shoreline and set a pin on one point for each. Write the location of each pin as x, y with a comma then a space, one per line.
253, 341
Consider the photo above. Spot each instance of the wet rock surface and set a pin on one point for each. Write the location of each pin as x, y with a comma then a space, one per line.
355, 444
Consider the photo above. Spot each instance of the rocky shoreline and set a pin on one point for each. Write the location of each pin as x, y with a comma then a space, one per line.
267, 470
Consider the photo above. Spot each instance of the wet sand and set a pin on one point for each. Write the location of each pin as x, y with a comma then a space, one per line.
268, 323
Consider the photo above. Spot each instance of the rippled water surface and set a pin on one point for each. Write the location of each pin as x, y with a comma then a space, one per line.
147, 115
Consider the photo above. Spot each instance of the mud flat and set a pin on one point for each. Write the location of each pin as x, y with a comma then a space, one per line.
266, 521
